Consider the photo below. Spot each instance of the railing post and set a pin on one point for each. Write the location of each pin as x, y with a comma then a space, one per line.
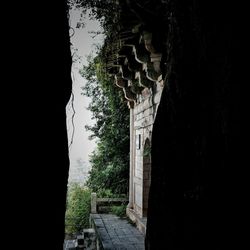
93, 203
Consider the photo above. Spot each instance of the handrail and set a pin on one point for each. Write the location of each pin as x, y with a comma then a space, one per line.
95, 201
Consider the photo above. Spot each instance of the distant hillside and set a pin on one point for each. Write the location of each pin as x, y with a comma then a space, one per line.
78, 172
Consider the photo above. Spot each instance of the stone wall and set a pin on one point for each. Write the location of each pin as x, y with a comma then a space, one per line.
144, 113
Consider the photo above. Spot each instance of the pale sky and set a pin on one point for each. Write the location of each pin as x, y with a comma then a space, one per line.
84, 42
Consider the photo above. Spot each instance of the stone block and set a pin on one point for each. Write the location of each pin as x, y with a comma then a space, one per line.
107, 245
138, 173
147, 112
138, 196
157, 97
95, 216
138, 180
98, 223
147, 121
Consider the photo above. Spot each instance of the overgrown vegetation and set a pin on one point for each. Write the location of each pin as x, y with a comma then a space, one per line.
78, 209
119, 210
107, 193
110, 161
103, 11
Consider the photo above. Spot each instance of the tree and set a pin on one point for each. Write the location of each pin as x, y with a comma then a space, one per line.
110, 161
103, 11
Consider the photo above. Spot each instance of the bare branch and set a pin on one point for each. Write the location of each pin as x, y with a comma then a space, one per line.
73, 115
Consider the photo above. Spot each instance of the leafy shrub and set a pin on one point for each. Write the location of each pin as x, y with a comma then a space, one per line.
107, 193
78, 209
110, 160
119, 210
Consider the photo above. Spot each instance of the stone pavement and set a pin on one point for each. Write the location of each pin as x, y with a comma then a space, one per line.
69, 244
116, 233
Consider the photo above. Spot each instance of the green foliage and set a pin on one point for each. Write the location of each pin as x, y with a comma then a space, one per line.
107, 13
110, 160
78, 209
119, 210
103, 11
107, 193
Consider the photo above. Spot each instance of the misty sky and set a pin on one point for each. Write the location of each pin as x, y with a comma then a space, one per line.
84, 42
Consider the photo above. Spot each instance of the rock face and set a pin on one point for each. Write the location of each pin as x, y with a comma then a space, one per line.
38, 63
196, 131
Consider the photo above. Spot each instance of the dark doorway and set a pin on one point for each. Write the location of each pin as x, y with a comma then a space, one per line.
146, 175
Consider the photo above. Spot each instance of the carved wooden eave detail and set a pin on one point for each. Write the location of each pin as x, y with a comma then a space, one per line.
129, 95
156, 60
133, 65
120, 82
141, 54
143, 80
138, 60
147, 37
126, 73
136, 88
151, 73
139, 68
124, 51
131, 105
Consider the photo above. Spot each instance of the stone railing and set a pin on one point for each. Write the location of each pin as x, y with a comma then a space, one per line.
95, 202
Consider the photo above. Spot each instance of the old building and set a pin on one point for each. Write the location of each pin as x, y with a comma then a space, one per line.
141, 127
204, 191
135, 60
138, 73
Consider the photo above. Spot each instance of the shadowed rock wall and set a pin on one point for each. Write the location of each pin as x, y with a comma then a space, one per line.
37, 66
194, 172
